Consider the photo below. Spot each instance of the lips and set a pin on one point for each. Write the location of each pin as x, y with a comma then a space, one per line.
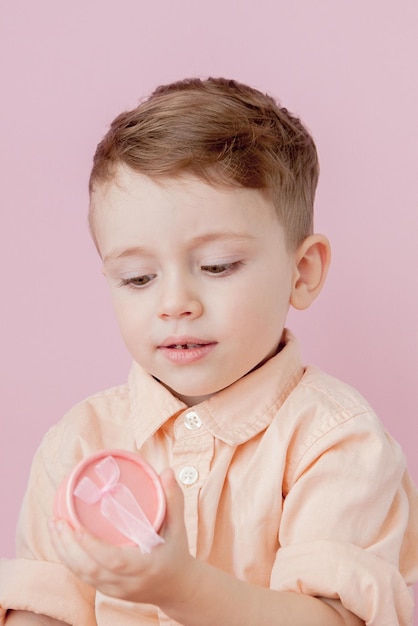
184, 343
186, 350
185, 346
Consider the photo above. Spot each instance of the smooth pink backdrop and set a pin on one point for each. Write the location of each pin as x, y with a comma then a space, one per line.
349, 68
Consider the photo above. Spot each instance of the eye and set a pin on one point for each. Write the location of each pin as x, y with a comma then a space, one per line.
137, 281
221, 268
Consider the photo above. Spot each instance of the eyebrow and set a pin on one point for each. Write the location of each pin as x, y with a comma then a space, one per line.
195, 242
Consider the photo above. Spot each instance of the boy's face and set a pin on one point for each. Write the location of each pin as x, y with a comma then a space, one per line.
200, 278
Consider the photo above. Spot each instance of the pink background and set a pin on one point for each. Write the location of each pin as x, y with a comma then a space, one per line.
348, 67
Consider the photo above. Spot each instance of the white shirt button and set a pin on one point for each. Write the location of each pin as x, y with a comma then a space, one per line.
192, 421
188, 475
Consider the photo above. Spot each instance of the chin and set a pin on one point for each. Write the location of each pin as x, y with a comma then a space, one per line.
191, 396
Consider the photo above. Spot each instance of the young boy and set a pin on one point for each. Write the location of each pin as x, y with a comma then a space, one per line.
287, 503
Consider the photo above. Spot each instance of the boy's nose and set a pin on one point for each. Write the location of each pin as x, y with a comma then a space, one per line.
178, 302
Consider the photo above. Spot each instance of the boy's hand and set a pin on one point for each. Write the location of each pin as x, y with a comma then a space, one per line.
163, 576
182, 586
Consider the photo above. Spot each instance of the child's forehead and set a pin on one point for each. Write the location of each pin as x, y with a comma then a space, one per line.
126, 184
135, 206
123, 178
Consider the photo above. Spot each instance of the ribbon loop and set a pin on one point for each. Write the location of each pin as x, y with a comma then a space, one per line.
108, 471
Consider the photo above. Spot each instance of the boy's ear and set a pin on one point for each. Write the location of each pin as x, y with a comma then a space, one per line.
312, 259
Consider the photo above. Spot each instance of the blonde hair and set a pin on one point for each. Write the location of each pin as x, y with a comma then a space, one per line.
223, 132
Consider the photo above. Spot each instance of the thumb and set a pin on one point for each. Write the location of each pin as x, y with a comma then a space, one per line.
174, 517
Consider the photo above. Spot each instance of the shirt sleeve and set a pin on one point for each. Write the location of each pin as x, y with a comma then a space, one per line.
349, 528
45, 588
36, 581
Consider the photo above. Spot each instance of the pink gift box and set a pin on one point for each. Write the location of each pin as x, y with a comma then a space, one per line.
116, 496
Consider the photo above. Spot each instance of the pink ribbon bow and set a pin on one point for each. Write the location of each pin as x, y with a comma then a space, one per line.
118, 505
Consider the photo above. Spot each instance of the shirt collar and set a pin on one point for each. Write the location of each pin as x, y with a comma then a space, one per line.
235, 414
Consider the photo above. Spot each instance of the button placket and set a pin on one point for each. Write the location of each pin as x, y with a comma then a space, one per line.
192, 454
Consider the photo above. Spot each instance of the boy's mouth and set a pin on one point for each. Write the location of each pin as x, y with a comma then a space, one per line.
186, 350
185, 343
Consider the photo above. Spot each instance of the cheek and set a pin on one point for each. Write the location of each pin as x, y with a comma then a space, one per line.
133, 333
128, 316
267, 298
264, 313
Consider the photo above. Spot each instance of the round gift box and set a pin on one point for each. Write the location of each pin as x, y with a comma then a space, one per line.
135, 474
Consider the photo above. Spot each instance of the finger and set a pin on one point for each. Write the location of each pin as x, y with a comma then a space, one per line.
107, 556
96, 563
69, 549
119, 559
174, 520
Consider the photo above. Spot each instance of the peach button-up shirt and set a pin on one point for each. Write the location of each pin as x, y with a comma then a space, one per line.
290, 482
